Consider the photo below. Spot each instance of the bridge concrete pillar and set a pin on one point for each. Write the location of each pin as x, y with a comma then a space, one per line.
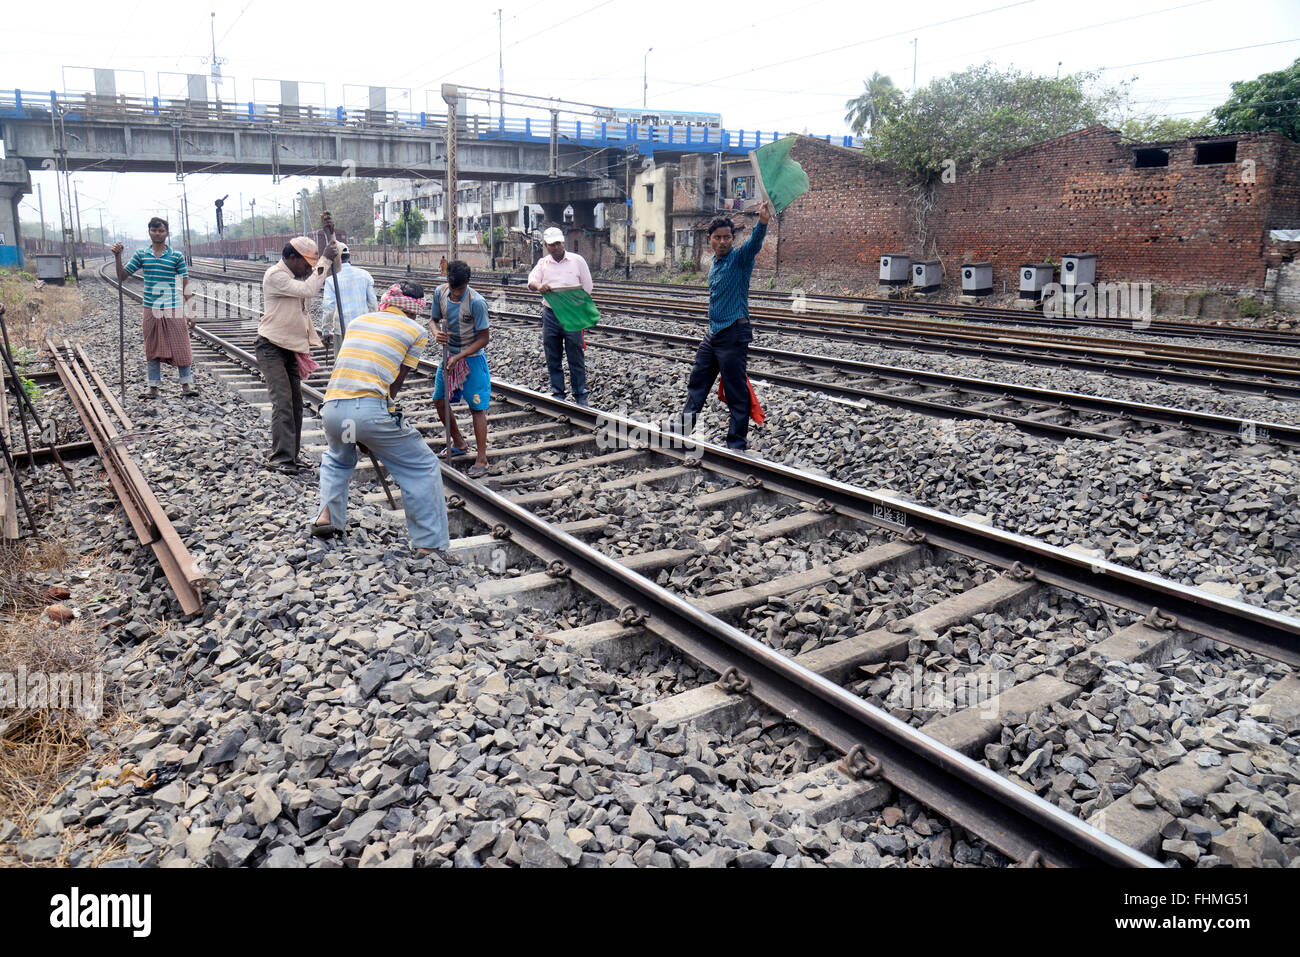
15, 183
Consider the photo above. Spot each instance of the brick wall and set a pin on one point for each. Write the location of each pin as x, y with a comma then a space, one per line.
1180, 226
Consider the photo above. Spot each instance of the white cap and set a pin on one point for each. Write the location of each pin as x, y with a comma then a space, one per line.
553, 235
343, 250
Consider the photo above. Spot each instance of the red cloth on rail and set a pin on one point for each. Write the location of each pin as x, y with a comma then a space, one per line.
755, 410
167, 337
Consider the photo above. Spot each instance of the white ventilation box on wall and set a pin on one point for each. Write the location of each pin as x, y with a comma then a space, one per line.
976, 279
1078, 269
1034, 278
895, 269
927, 275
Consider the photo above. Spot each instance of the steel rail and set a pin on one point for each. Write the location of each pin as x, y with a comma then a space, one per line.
1016, 822
876, 305
1269, 375
818, 322
1005, 815
1280, 433
1259, 430
1011, 819
147, 517
1234, 623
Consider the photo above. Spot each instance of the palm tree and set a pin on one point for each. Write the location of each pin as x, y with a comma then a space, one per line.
877, 100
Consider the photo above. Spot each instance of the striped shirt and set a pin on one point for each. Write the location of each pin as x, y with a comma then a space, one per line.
375, 347
729, 282
357, 287
162, 276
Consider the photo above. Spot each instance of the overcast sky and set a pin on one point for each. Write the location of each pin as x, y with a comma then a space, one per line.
773, 64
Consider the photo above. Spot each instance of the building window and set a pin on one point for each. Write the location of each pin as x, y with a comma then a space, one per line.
1150, 159
649, 194
649, 244
631, 244
1208, 154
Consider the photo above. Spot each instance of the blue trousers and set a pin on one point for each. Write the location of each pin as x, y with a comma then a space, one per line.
400, 448
557, 342
154, 373
726, 353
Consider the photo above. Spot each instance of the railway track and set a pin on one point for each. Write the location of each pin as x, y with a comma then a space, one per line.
1272, 376
1047, 413
876, 305
547, 452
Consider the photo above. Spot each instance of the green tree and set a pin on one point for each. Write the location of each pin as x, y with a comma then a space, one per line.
878, 99
1271, 101
1160, 129
965, 119
351, 203
397, 231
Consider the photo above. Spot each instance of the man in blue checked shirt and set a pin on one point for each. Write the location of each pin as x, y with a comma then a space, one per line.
357, 287
725, 347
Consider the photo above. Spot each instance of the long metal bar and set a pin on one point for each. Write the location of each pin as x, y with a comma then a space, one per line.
1235, 623
145, 513
1008, 817
1141, 412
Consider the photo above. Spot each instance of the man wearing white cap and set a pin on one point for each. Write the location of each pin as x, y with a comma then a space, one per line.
357, 289
561, 270
284, 331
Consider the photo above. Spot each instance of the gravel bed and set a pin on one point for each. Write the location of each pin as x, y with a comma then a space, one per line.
349, 704
1221, 516
1237, 405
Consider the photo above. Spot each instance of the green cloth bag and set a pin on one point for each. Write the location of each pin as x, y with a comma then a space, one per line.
780, 179
573, 308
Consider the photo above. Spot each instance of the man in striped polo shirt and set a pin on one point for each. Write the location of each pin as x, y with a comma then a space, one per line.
378, 350
725, 347
166, 327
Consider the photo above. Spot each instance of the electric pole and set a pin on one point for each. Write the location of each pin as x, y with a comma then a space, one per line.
81, 240
501, 75
40, 200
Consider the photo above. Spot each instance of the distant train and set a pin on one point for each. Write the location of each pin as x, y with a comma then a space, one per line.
644, 117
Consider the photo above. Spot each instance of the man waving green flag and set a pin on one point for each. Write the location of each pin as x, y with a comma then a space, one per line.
573, 308
781, 180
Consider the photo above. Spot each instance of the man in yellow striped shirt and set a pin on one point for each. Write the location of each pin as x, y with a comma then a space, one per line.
378, 350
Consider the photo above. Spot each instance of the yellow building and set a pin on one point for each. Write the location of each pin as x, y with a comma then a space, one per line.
650, 232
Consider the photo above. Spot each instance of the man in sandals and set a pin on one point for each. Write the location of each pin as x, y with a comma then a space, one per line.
166, 325
379, 349
464, 336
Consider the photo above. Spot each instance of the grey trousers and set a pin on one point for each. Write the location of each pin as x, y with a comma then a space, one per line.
280, 370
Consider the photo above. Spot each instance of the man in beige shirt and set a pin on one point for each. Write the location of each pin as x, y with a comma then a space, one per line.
284, 331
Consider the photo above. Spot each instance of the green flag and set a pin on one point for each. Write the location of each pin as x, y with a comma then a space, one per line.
573, 308
781, 180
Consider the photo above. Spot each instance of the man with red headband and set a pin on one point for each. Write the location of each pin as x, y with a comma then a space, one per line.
284, 331
379, 349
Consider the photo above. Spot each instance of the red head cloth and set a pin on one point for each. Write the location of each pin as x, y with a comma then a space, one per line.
394, 297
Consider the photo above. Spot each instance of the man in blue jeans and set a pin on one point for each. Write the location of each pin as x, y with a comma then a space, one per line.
378, 350
725, 347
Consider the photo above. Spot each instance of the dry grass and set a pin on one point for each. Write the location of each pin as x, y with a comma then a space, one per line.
40, 747
31, 313
18, 593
